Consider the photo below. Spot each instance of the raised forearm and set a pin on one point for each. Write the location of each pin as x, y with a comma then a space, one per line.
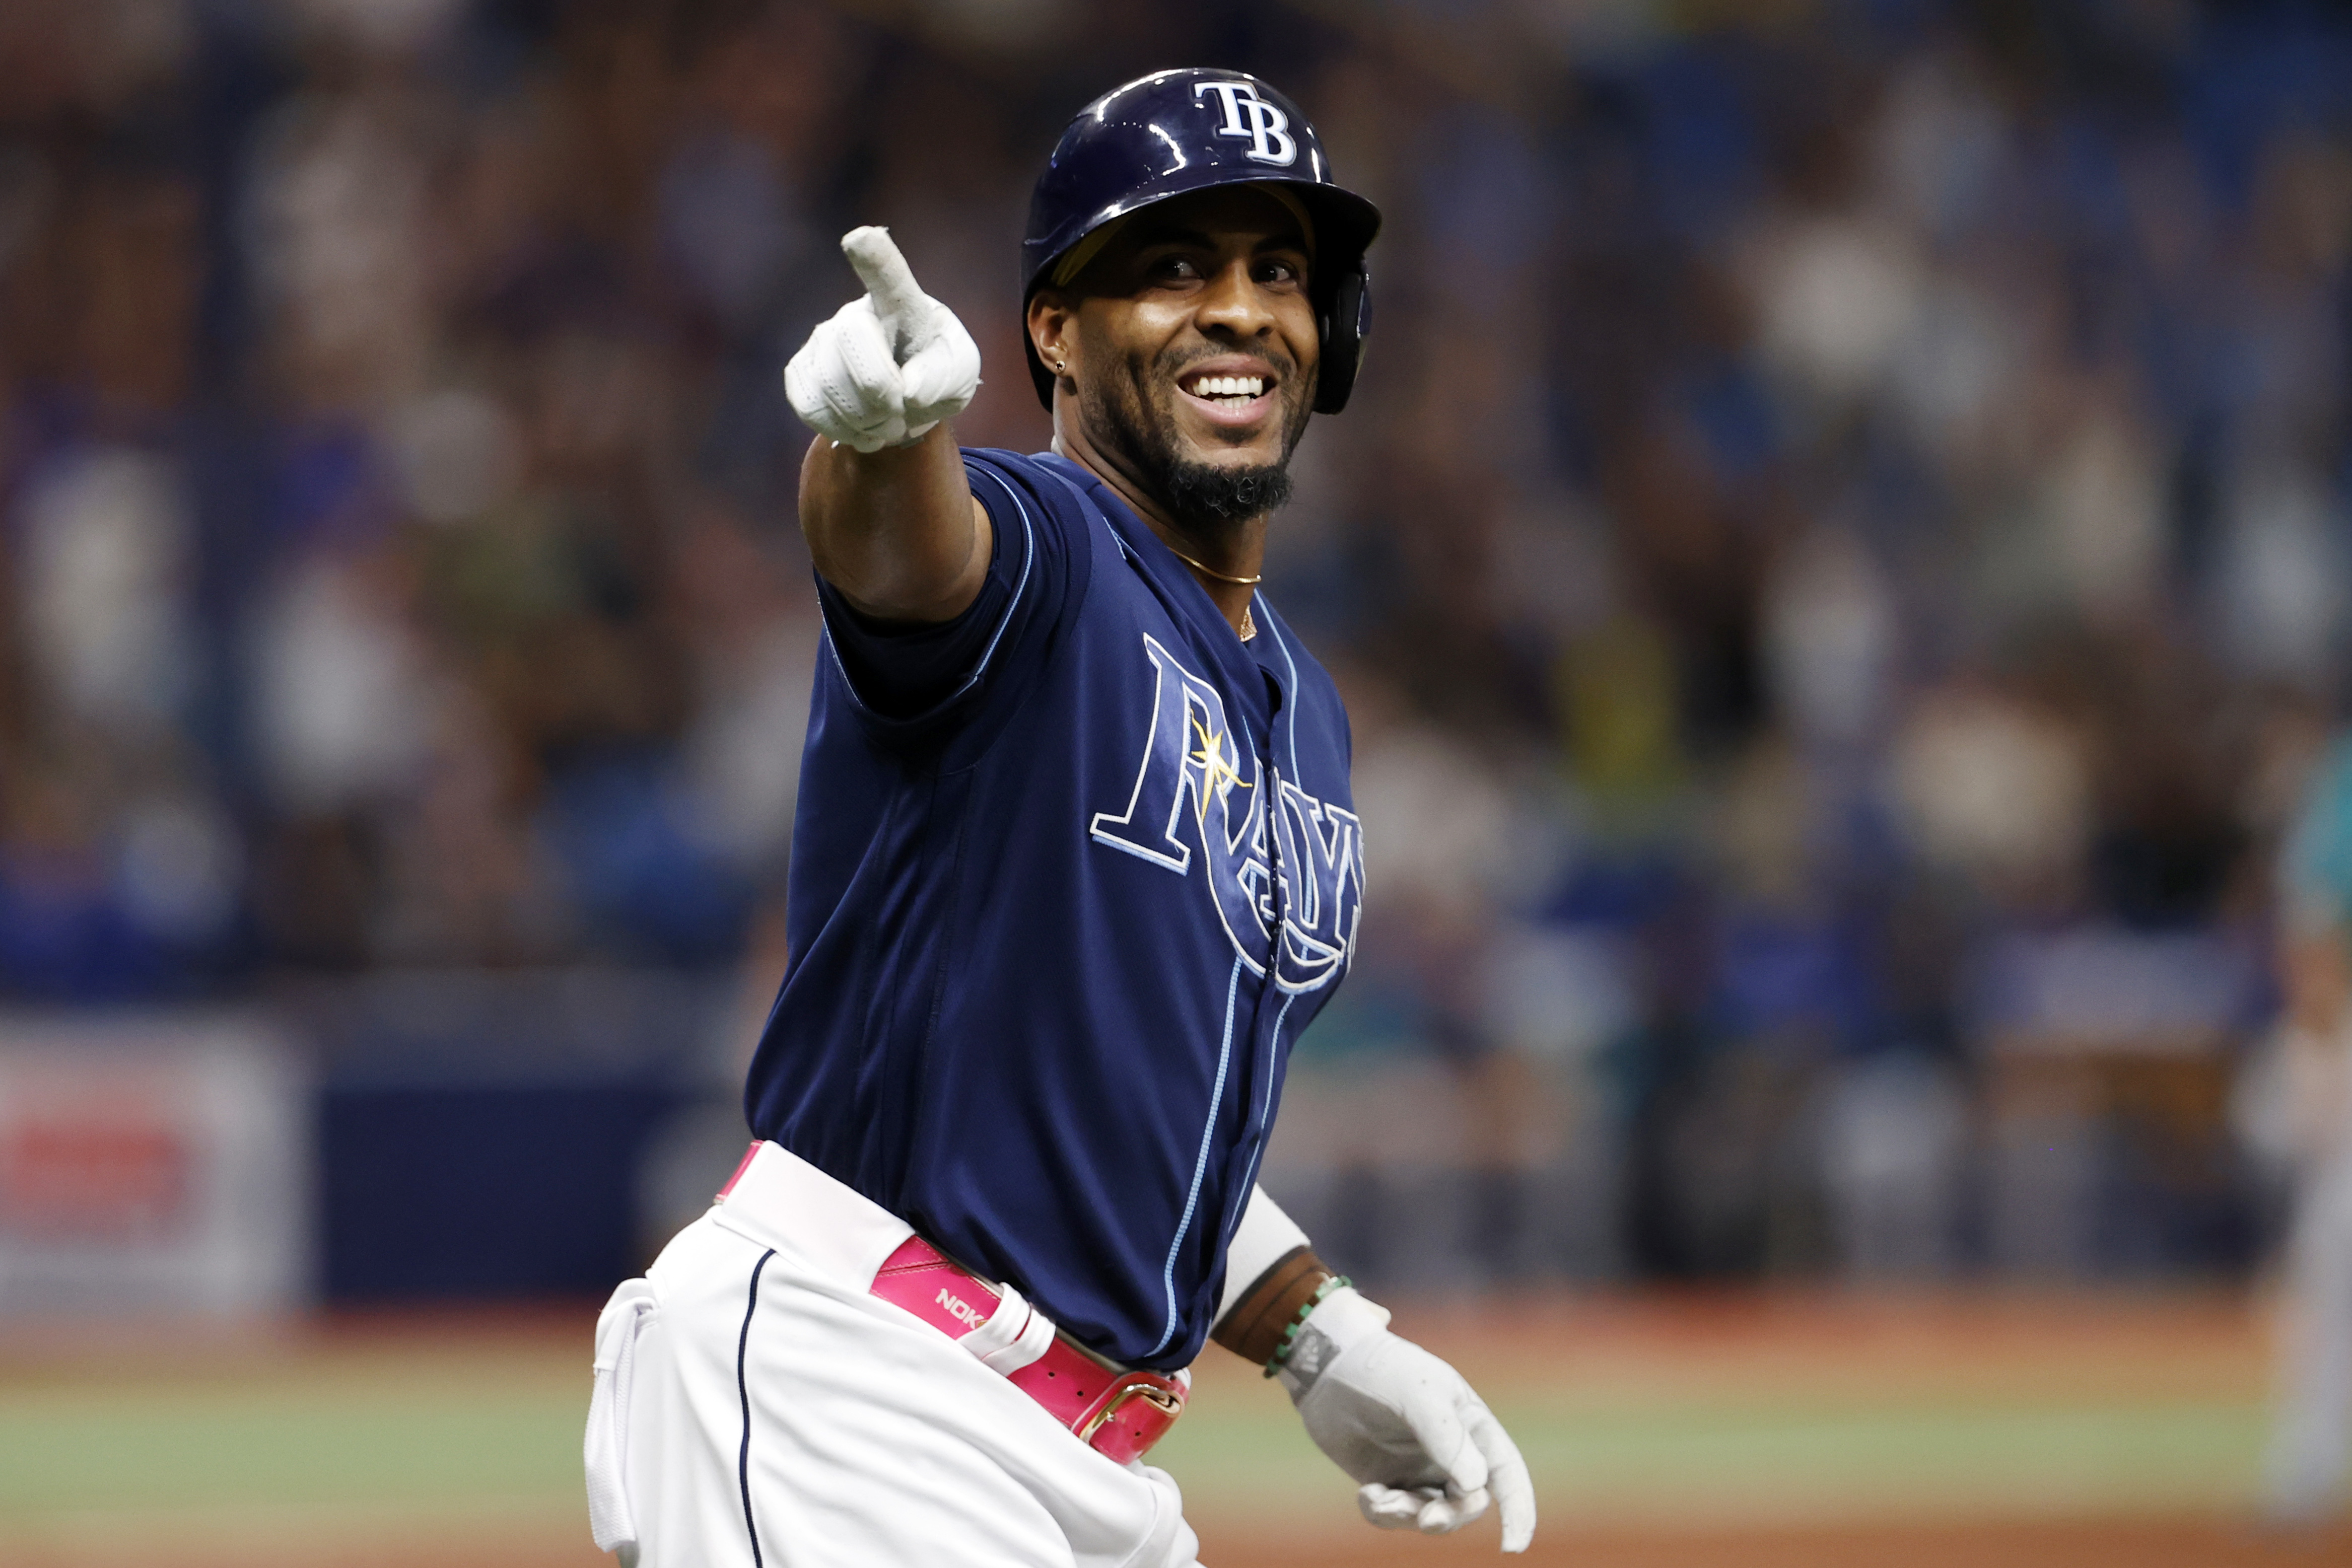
889, 518
897, 532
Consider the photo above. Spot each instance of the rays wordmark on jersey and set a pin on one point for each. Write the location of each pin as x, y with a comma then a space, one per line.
1192, 798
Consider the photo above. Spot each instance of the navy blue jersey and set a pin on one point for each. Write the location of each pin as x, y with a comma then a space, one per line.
1053, 934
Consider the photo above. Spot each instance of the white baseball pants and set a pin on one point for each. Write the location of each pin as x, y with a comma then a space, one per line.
778, 1416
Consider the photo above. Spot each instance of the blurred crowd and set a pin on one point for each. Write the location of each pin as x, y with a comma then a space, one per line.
1844, 512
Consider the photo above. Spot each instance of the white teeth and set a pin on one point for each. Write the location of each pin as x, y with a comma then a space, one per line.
1242, 387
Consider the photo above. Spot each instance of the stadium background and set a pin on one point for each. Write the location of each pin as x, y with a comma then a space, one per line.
1838, 562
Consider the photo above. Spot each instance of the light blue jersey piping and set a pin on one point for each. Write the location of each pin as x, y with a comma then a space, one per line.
1200, 1164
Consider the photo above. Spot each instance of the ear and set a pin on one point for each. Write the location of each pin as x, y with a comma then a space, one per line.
1053, 330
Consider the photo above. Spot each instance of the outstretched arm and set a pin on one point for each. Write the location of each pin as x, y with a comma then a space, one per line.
1426, 1451
890, 519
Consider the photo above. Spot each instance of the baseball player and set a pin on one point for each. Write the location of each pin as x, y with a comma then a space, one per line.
1073, 865
2312, 1434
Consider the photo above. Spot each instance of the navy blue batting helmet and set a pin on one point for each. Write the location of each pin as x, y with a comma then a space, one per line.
1176, 131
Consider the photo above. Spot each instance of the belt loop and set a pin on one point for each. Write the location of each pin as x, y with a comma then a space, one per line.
1001, 1327
1028, 1347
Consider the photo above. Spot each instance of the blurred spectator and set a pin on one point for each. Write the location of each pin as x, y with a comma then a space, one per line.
1835, 489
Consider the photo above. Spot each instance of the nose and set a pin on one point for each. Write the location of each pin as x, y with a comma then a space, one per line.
1235, 305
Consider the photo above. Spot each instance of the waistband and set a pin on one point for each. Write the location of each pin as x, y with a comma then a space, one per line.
782, 1199
1120, 1412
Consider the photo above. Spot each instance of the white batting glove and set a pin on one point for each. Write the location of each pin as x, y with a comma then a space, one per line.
886, 367
1429, 1454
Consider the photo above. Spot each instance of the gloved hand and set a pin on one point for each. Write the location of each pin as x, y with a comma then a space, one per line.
1428, 1452
886, 367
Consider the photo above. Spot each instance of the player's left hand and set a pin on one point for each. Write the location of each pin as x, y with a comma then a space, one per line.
1429, 1454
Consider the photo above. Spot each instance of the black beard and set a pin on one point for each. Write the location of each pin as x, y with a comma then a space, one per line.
1201, 497
1205, 496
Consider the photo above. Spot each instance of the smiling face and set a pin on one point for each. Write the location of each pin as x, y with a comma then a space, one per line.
1191, 350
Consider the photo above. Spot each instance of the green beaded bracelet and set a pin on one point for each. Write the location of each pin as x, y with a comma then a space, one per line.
1282, 1347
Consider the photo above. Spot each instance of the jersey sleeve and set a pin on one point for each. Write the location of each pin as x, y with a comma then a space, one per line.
903, 671
906, 682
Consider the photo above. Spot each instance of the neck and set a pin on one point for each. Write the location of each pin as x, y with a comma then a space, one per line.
1238, 550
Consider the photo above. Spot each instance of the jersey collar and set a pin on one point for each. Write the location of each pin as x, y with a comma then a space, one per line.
1255, 672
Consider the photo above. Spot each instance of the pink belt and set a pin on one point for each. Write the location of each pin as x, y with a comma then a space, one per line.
1118, 1413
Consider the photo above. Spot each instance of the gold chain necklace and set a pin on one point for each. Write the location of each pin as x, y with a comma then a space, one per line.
1212, 571
1248, 627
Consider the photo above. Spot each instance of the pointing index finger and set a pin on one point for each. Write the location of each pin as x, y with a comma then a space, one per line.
887, 278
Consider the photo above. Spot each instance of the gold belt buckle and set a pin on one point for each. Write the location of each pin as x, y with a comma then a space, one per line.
1160, 1398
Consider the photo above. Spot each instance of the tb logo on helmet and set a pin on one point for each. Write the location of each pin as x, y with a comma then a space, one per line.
1253, 119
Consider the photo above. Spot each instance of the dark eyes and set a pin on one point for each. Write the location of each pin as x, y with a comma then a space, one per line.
1186, 269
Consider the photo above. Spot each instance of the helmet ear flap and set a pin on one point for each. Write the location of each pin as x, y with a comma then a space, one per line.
1344, 327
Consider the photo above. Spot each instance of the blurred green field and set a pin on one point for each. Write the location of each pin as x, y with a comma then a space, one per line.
1731, 1414
1690, 1460
349, 1435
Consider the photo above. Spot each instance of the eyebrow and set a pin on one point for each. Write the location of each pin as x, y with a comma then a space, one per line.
1280, 239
